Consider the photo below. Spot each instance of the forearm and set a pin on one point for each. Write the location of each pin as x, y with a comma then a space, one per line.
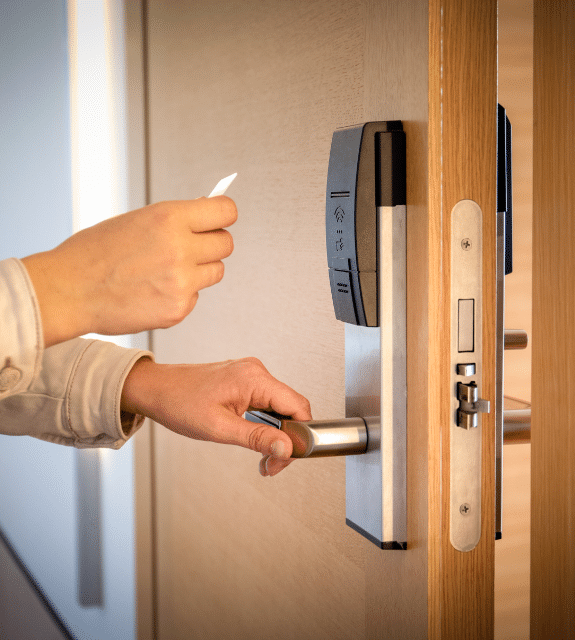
76, 398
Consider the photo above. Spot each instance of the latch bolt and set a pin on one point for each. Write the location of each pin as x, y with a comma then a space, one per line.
470, 404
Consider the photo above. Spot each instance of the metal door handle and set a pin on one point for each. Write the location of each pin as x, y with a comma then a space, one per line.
517, 426
515, 339
322, 438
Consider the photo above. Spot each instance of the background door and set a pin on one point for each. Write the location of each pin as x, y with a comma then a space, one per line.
553, 423
258, 88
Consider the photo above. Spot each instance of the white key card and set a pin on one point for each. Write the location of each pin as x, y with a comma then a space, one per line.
222, 186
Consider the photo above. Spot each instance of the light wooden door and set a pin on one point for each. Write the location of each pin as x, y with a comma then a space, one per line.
258, 87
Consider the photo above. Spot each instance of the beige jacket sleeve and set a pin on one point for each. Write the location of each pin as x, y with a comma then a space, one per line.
69, 393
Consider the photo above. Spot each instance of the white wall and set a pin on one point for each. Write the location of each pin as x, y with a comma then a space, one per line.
37, 211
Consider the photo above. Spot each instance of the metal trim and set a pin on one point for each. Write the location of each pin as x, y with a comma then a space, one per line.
376, 385
500, 340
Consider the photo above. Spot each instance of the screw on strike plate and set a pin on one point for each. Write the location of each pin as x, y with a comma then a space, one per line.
464, 509
466, 244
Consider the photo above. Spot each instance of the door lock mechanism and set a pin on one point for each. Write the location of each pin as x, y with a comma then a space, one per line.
470, 404
466, 374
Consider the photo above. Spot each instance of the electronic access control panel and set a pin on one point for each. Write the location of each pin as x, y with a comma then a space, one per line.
366, 172
366, 223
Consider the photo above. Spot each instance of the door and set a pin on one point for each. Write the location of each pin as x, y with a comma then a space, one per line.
258, 88
553, 423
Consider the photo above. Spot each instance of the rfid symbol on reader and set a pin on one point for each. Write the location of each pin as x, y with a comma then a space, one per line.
339, 214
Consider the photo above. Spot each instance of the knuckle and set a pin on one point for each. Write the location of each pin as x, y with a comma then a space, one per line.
178, 280
179, 310
254, 364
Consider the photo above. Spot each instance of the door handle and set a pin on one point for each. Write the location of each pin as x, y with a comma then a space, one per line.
517, 426
515, 339
323, 438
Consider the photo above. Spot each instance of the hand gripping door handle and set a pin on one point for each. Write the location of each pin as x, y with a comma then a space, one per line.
322, 438
346, 437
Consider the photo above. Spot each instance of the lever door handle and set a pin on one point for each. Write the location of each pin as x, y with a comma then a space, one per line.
321, 438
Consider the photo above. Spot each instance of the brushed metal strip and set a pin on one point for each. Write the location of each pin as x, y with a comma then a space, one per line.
376, 386
500, 340
89, 504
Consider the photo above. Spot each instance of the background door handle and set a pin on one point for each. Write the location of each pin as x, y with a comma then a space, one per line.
322, 438
517, 426
515, 339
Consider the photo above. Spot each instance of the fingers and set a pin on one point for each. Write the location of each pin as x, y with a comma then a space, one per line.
289, 399
271, 466
283, 399
267, 440
209, 274
263, 438
208, 214
211, 246
269, 393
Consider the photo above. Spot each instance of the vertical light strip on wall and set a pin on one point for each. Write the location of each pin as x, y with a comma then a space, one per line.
94, 125
98, 118
97, 111
88, 204
89, 505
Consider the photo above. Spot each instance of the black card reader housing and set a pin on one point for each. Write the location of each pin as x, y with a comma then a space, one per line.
366, 171
504, 182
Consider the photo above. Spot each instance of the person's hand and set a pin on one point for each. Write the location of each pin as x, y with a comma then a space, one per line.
207, 402
138, 271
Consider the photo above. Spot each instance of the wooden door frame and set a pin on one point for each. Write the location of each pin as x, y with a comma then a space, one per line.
462, 144
134, 14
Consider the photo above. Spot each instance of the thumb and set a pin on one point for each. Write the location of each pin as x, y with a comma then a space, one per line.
268, 440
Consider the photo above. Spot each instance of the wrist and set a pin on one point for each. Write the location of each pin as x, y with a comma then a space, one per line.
138, 392
62, 312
